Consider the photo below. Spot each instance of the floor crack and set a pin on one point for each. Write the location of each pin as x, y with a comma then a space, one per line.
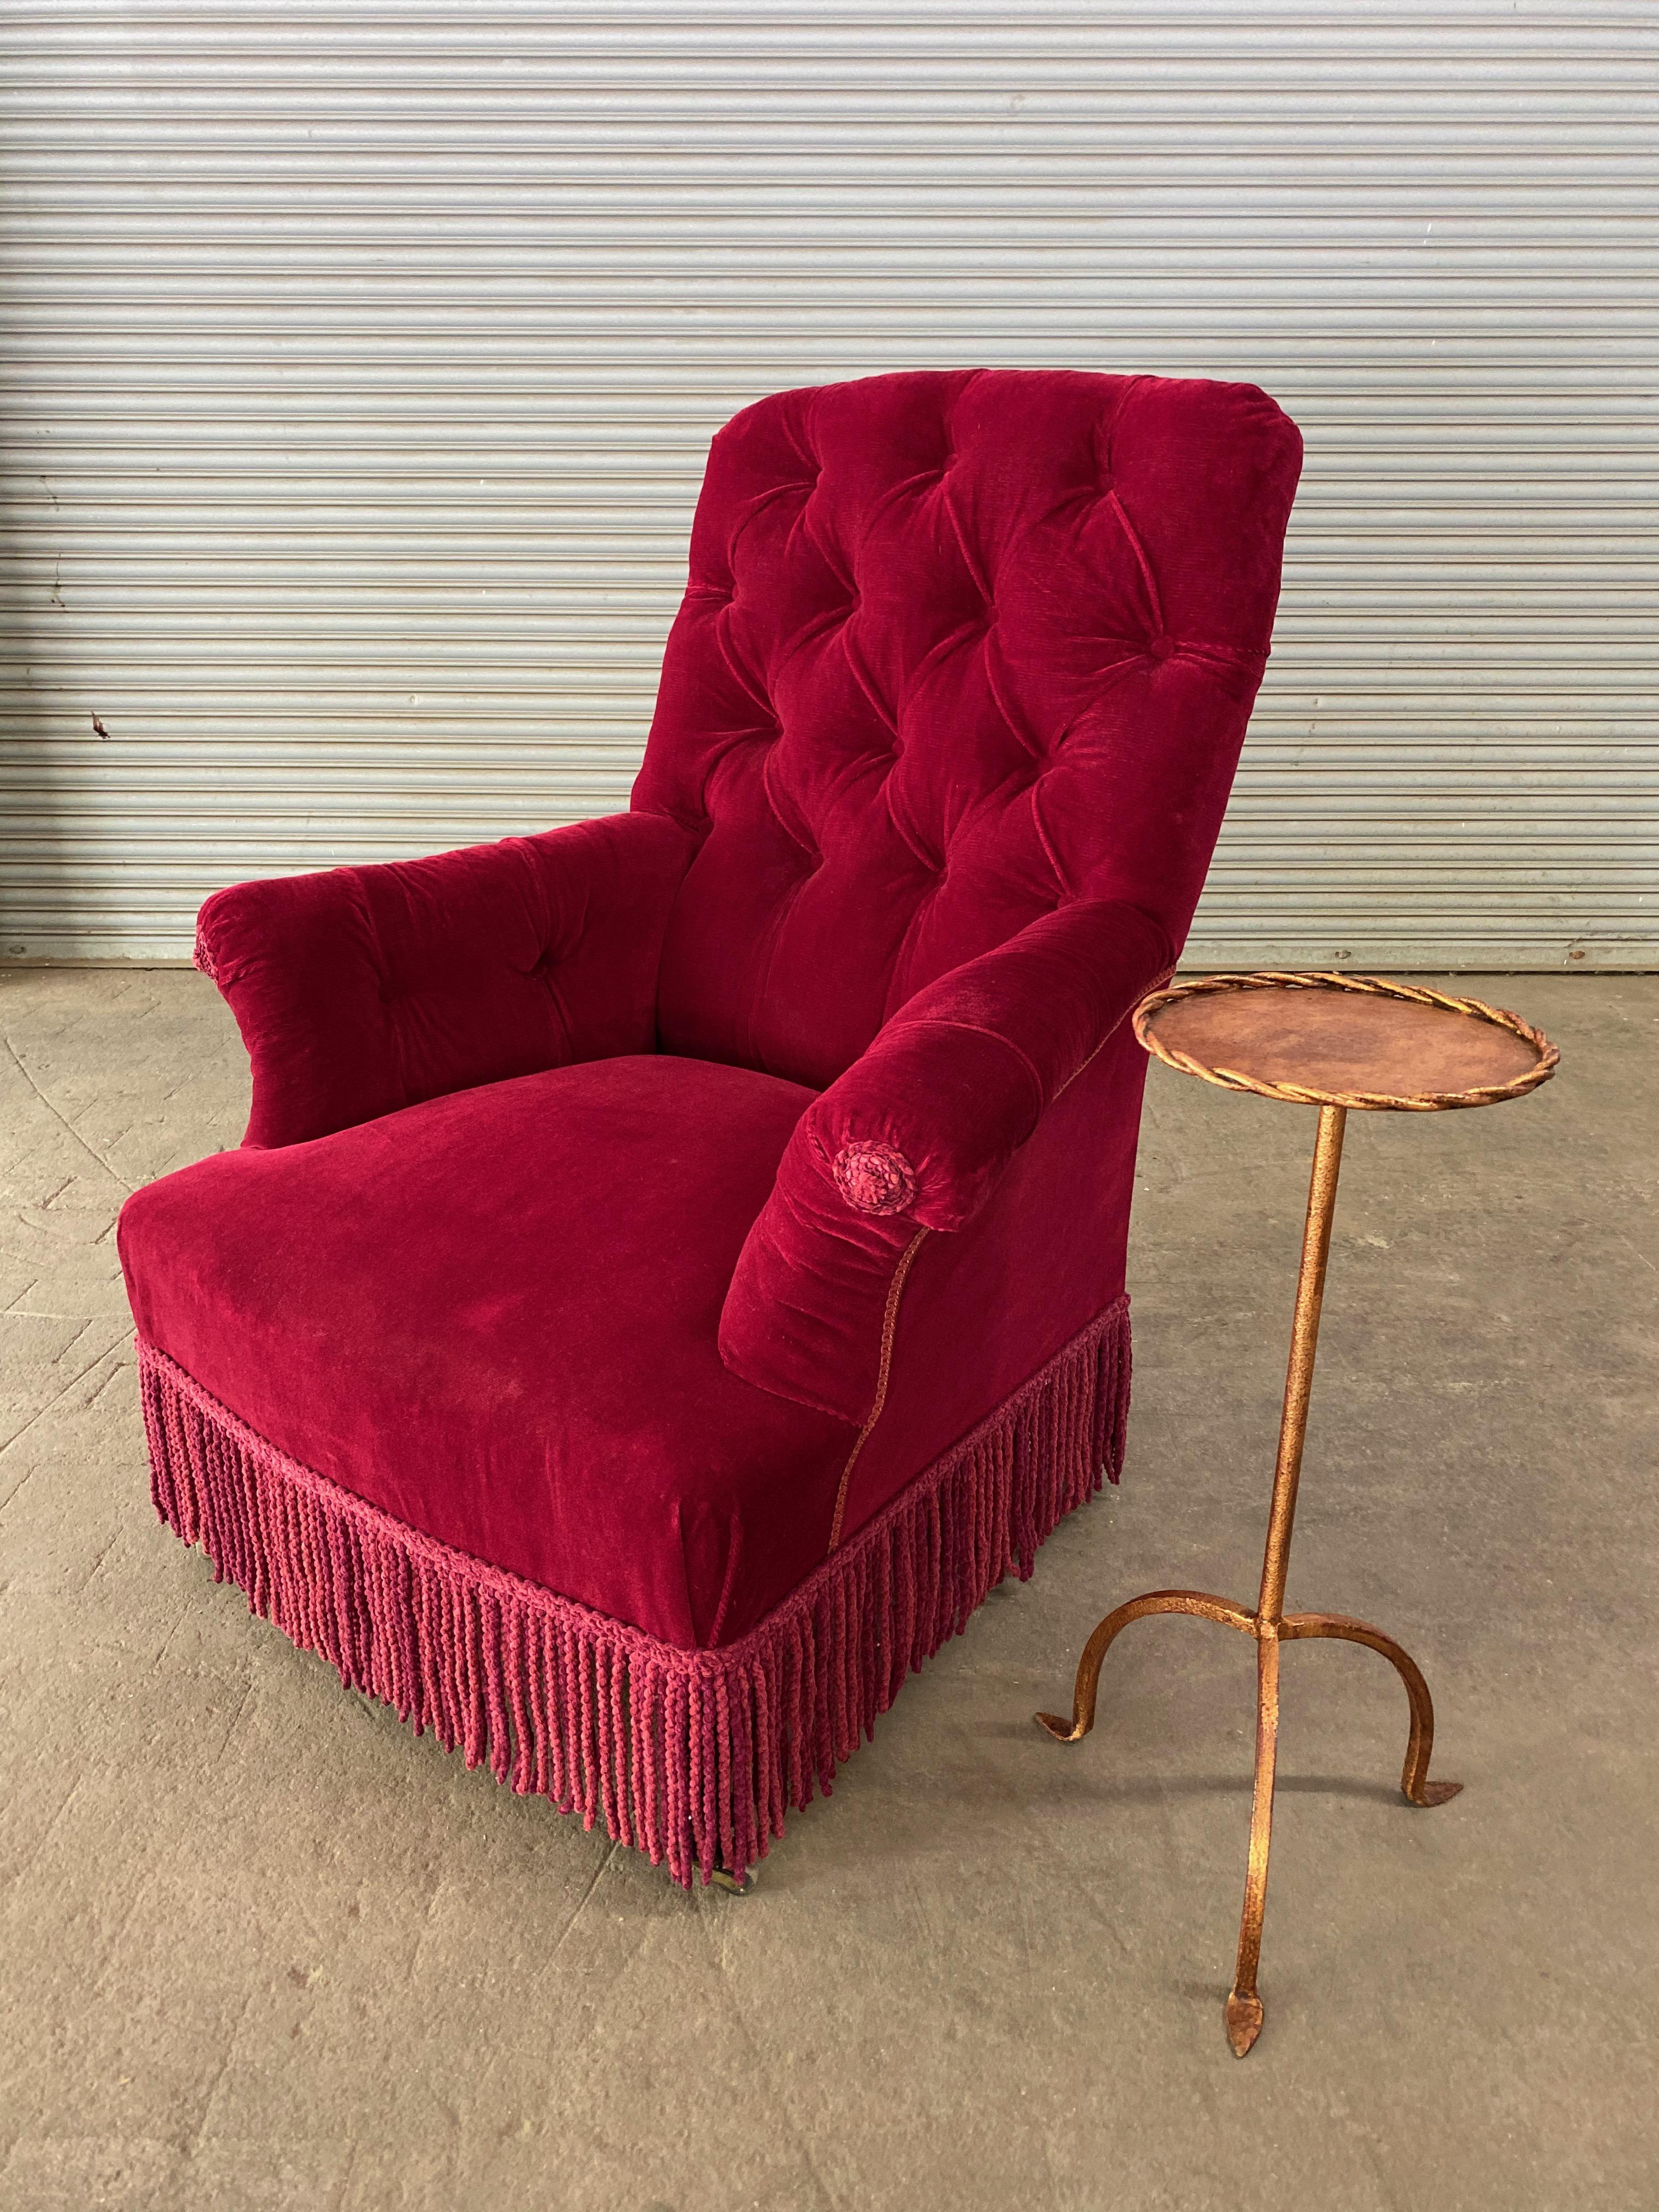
63, 1118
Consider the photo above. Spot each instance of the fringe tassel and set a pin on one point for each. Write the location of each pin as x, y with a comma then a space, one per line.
693, 1757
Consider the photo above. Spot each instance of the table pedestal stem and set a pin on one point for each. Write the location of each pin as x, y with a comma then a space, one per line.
1244, 2005
1270, 1626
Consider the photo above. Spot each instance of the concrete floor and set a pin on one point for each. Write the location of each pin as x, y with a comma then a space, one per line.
262, 1949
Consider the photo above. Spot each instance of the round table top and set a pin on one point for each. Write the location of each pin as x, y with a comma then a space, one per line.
1343, 1040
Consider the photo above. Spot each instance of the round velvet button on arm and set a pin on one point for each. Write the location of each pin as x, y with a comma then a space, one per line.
875, 1178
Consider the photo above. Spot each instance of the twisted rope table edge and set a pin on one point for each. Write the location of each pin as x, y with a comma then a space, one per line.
1296, 1094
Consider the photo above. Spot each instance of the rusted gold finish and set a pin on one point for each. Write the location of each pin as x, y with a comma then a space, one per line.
1304, 1342
1414, 1785
1516, 1064
1277, 1021
1243, 2007
1088, 1672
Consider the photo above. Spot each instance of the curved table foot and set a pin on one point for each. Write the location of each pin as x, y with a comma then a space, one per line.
1244, 2010
1244, 2022
1198, 1603
1414, 1775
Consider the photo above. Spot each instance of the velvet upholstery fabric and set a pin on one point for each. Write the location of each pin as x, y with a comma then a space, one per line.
693, 1757
987, 1305
950, 1090
361, 990
956, 650
658, 1212
495, 1316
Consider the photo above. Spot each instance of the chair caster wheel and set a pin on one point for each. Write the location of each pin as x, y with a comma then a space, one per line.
734, 1885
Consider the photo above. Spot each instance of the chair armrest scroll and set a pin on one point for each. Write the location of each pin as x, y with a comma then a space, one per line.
361, 990
914, 1137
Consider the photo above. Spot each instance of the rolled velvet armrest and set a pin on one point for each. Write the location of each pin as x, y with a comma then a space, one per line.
361, 990
913, 1137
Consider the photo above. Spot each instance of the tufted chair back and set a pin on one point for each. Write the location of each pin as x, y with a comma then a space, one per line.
956, 648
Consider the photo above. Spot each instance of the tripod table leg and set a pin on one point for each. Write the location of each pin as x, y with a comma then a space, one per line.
1268, 1622
1414, 1777
1198, 1602
1244, 2010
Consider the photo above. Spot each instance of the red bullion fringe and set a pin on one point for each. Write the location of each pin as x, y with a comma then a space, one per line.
692, 1756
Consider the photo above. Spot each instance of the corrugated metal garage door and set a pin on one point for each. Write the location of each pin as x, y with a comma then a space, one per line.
360, 363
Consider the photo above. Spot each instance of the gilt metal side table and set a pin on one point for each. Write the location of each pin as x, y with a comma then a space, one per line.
1336, 1041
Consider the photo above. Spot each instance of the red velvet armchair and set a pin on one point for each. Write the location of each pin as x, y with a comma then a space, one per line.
675, 1266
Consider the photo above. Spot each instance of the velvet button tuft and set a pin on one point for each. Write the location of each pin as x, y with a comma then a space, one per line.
875, 1178
1160, 647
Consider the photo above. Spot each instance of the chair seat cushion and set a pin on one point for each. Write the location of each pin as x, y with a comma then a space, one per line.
494, 1316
